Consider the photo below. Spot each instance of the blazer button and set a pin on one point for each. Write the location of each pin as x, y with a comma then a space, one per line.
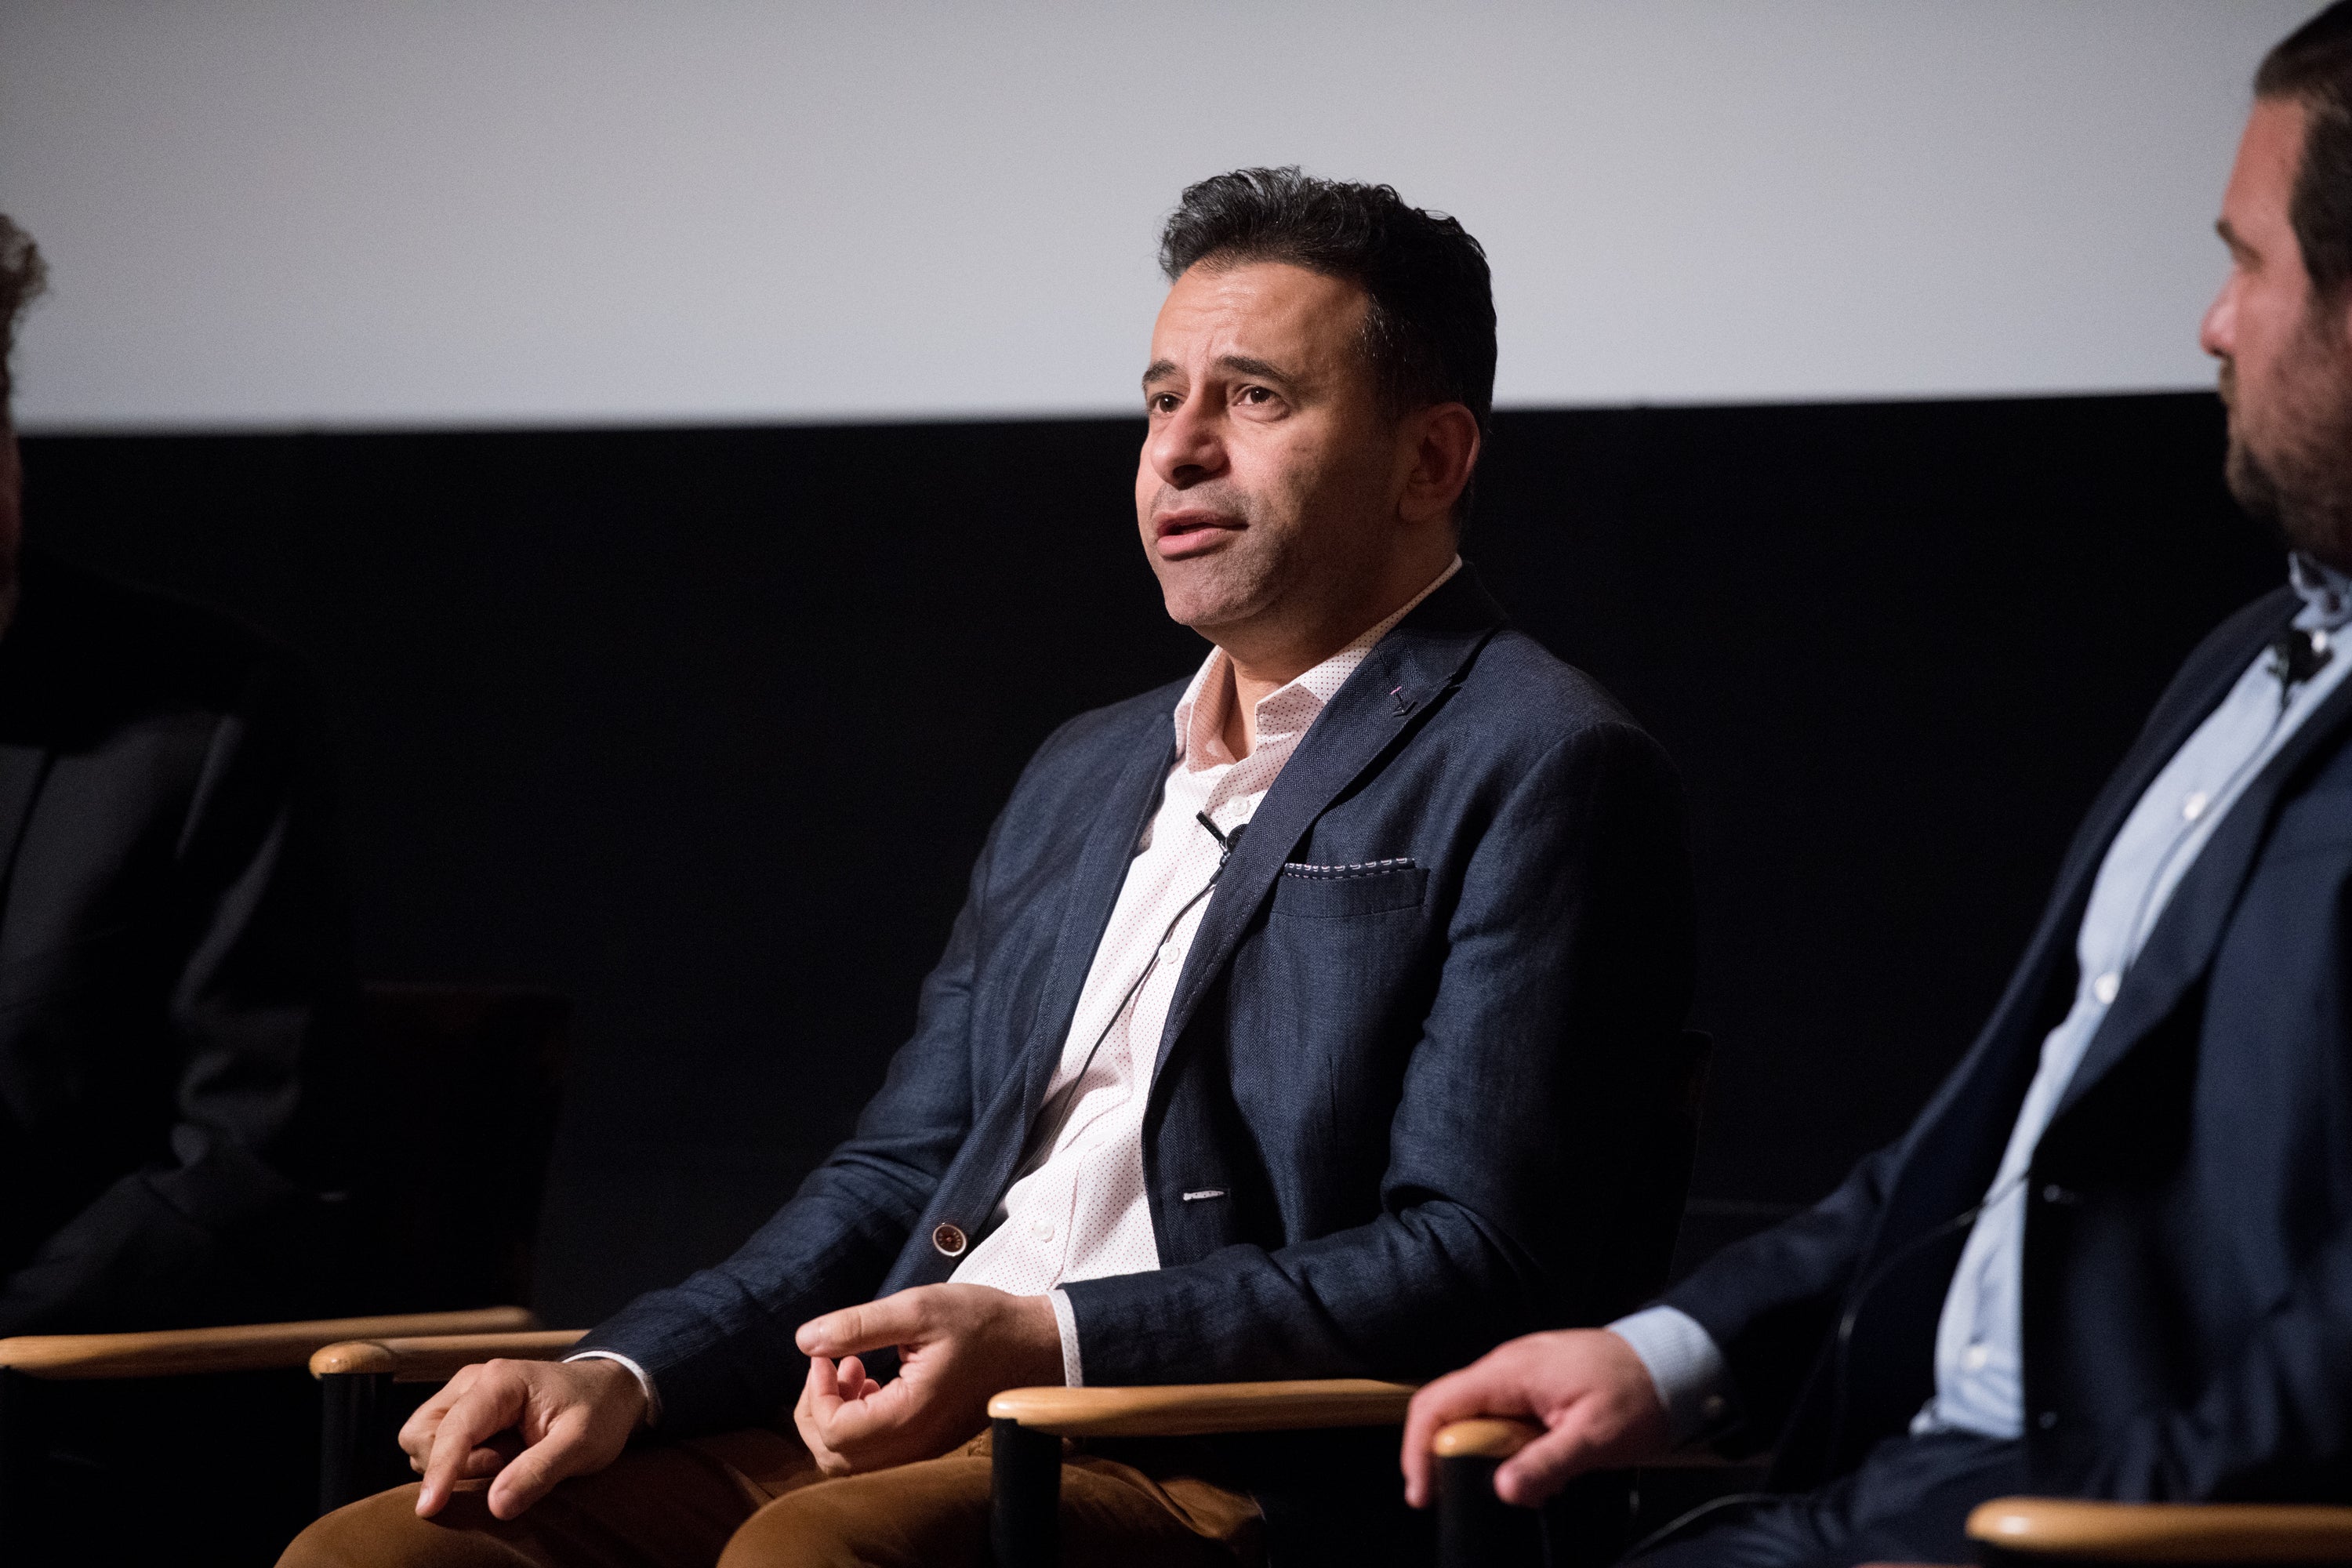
949, 1240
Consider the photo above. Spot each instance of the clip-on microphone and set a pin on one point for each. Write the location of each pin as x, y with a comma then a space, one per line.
1226, 842
2295, 657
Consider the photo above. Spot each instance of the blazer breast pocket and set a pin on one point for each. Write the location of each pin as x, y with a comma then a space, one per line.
1309, 891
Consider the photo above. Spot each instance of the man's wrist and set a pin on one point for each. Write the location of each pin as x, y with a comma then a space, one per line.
1686, 1369
650, 1410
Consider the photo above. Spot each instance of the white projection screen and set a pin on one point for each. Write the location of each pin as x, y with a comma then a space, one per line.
397, 213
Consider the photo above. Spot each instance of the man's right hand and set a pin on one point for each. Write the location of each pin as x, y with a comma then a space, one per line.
558, 1419
1593, 1395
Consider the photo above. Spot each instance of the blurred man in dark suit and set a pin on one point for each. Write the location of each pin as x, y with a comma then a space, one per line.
2113, 1257
174, 977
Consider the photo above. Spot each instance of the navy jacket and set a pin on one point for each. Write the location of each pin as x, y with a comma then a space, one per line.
2187, 1313
1415, 1084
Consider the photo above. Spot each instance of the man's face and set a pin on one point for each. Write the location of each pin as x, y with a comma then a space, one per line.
1269, 475
2285, 353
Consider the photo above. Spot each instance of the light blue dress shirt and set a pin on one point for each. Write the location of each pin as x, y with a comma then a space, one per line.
1978, 1383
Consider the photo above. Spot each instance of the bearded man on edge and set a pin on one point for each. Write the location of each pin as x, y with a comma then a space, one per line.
1302, 1021
2113, 1257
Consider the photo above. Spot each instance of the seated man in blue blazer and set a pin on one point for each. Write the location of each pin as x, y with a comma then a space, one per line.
2113, 1257
1299, 1021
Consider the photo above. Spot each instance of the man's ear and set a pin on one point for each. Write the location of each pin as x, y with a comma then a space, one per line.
1444, 443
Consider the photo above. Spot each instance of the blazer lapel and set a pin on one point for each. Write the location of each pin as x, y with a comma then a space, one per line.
1094, 892
1406, 676
2179, 949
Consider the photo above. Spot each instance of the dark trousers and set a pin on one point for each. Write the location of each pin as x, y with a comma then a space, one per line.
1908, 1502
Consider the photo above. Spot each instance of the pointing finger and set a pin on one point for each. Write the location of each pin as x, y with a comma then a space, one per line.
876, 1325
533, 1473
489, 1408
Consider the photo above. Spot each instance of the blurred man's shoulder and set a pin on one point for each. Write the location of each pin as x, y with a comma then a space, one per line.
117, 650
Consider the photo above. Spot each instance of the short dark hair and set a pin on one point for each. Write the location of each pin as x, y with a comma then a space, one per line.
1429, 333
23, 275
2312, 67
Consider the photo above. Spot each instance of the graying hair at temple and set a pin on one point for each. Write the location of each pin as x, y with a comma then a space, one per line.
23, 275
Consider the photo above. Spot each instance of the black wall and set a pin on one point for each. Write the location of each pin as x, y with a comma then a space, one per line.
703, 727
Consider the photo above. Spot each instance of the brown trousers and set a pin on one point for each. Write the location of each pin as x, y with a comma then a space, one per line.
754, 1500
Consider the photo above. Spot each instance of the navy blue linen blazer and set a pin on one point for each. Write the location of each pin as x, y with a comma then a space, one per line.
2186, 1311
1429, 1007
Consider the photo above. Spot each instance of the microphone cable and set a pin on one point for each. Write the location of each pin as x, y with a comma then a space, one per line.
1053, 1116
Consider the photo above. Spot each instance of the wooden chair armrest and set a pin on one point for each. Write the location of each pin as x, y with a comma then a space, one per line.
2165, 1533
1197, 1409
1482, 1438
245, 1347
436, 1358
1497, 1437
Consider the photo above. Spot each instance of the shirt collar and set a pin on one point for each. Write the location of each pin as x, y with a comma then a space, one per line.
1283, 713
2326, 592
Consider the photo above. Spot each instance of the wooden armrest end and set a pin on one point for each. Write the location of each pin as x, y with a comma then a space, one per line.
1482, 1438
244, 1347
1198, 1409
2166, 1532
436, 1358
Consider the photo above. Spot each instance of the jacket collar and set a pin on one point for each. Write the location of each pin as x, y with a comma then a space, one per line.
2180, 947
1404, 678
1397, 683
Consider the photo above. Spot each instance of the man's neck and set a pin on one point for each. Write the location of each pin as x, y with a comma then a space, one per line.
1260, 668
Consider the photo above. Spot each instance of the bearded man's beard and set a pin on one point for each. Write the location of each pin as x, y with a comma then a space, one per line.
2300, 485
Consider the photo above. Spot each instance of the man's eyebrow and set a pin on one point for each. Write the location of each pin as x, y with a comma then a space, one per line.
1232, 365
1241, 365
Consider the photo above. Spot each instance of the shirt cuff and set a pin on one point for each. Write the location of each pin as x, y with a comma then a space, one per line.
1686, 1366
652, 1396
1066, 1321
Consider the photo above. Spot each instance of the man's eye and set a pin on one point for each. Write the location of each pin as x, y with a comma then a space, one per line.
1256, 395
1161, 403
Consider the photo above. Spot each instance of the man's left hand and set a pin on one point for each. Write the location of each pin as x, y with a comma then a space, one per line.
958, 1344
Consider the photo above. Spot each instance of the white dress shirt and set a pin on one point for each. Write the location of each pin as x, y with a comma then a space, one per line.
1979, 1381
1076, 1208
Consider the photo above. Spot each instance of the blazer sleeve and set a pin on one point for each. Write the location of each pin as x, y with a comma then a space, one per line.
1565, 977
225, 1222
718, 1347
1771, 1302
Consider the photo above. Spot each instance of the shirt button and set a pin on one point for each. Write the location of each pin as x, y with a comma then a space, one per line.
2194, 807
1976, 1358
2046, 1420
1711, 1407
2106, 986
949, 1240
1042, 1229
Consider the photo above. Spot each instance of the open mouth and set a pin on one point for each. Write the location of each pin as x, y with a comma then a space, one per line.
1180, 535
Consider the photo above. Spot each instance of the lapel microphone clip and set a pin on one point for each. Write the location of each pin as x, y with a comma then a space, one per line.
1226, 842
2295, 657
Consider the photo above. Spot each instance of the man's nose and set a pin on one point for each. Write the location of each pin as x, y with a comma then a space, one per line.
2217, 333
1188, 447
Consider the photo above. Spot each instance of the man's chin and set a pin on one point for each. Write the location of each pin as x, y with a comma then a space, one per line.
1206, 600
